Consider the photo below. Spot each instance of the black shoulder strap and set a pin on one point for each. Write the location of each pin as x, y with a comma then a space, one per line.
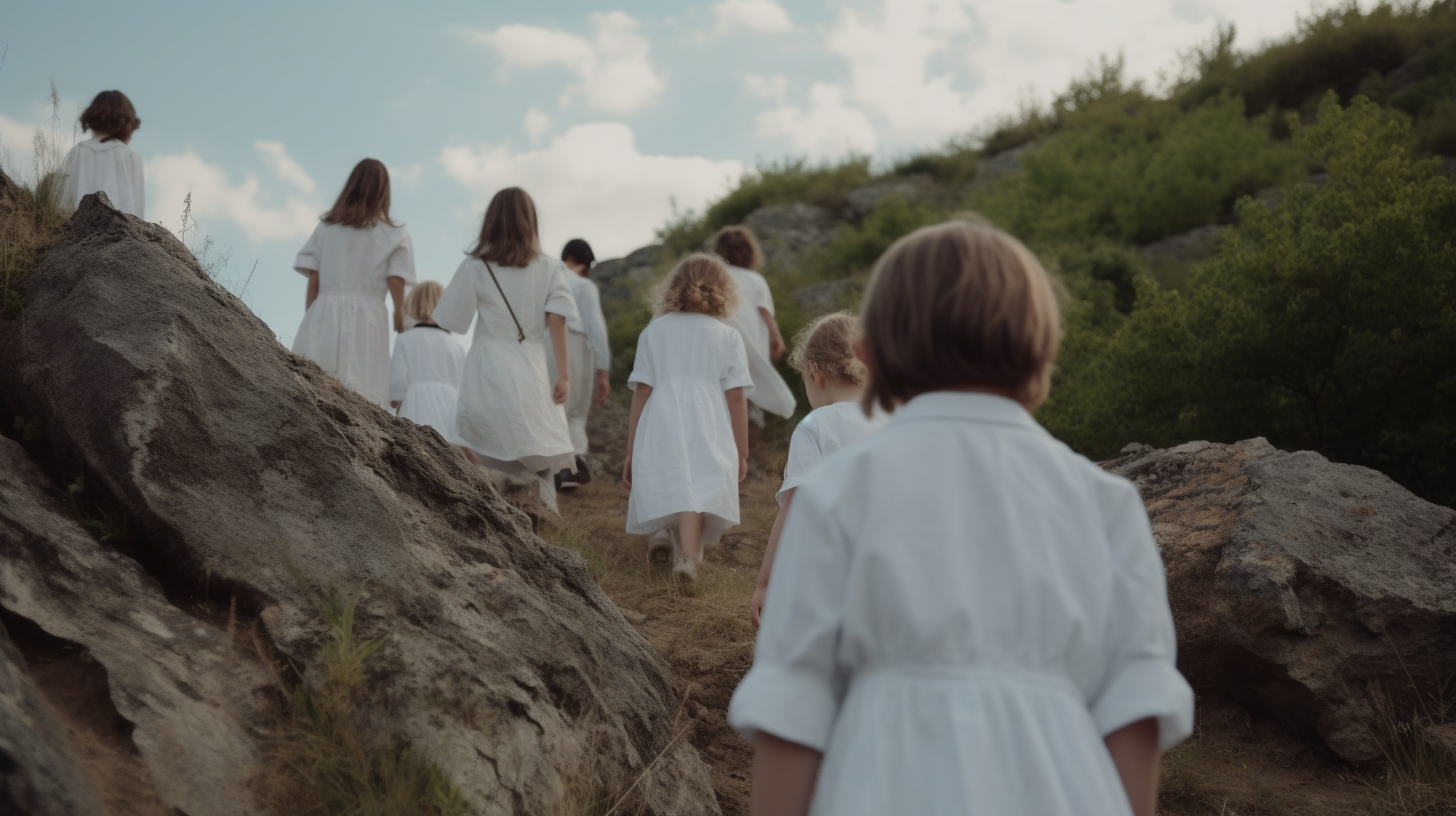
520, 332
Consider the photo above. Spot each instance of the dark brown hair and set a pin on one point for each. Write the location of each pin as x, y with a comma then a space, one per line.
364, 201
827, 344
738, 247
959, 304
699, 283
508, 235
111, 114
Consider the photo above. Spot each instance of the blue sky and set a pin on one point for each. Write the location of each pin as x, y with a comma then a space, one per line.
606, 113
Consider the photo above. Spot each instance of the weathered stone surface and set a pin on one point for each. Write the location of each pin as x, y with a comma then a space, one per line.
787, 231
1185, 247
38, 775
822, 298
864, 200
1001, 165
621, 280
1302, 587
252, 474
606, 427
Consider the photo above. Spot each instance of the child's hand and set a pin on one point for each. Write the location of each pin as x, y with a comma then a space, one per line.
603, 389
742, 468
776, 348
627, 472
755, 607
399, 322
558, 394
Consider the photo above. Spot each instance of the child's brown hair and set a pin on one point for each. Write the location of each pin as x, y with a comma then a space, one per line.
955, 305
738, 247
422, 301
827, 343
699, 283
111, 114
364, 201
508, 234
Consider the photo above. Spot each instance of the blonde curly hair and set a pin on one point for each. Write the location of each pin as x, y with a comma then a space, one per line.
699, 283
827, 344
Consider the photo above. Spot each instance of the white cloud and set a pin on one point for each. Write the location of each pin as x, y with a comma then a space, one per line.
762, 16
592, 182
537, 124
773, 87
613, 70
170, 178
828, 128
406, 173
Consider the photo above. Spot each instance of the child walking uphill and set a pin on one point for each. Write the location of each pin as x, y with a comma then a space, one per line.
687, 437
834, 381
588, 352
355, 256
754, 319
424, 373
105, 162
966, 617
510, 413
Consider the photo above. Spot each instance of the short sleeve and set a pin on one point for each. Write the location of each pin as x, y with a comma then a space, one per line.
402, 260
138, 176
764, 293
558, 293
398, 372
735, 363
796, 686
308, 257
1142, 678
804, 455
457, 304
642, 366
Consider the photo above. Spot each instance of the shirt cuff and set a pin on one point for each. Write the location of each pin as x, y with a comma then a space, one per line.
791, 705
1149, 687
789, 484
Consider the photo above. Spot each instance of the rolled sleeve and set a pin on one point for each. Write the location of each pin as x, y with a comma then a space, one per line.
642, 365
457, 304
1145, 688
558, 297
307, 261
792, 705
402, 260
735, 365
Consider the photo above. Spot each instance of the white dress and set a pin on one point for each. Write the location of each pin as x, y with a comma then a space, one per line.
506, 412
770, 392
824, 431
110, 167
346, 330
587, 353
961, 609
424, 377
684, 457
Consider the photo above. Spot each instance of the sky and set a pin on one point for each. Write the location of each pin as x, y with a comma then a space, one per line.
614, 116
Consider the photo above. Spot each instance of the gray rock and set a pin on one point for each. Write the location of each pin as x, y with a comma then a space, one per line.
1185, 247
623, 281
822, 298
250, 473
191, 696
1302, 588
38, 774
606, 428
787, 231
1001, 165
864, 200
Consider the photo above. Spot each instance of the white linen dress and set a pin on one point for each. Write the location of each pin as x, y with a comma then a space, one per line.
824, 431
587, 353
770, 392
346, 330
684, 457
506, 413
424, 377
961, 610
109, 167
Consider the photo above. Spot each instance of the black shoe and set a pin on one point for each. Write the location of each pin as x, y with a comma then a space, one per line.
582, 474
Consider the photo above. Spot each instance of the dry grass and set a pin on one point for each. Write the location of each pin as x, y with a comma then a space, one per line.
1419, 777
32, 211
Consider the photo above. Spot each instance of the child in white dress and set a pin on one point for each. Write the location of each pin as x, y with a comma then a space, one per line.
754, 319
966, 617
834, 381
424, 372
355, 256
510, 413
687, 434
588, 353
105, 162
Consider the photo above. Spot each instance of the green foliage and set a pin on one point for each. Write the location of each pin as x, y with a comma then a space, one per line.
955, 164
1327, 322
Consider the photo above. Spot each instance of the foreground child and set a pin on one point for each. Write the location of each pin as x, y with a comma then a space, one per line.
424, 373
104, 162
687, 437
354, 257
834, 380
966, 617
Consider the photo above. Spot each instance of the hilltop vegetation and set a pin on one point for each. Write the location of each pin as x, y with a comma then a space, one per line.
1323, 315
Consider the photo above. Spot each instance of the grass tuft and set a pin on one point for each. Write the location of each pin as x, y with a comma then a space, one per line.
32, 211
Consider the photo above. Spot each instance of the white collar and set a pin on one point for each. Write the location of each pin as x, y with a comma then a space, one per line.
966, 406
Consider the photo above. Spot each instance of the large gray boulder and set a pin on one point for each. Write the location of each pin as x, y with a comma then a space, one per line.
249, 474
191, 697
623, 282
786, 232
1302, 588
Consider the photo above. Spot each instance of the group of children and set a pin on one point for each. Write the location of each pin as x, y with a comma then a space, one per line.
958, 614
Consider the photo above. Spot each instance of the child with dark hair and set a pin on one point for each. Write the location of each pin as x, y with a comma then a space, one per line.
965, 617
587, 353
754, 319
105, 163
354, 257
687, 434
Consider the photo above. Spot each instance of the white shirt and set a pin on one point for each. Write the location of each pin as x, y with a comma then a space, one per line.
824, 431
753, 294
590, 321
961, 610
109, 167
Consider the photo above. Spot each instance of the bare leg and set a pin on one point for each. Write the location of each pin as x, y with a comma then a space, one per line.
690, 534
